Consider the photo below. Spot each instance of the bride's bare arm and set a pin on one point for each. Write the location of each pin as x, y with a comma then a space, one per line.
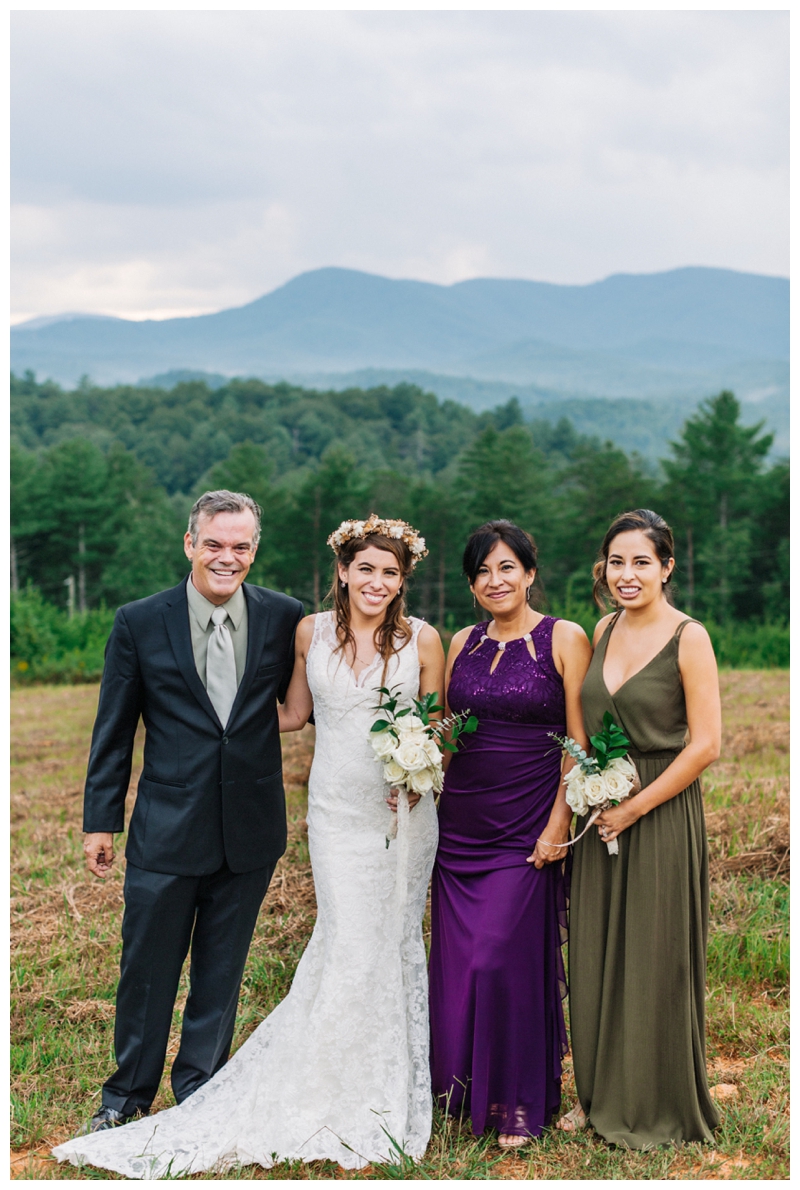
456, 645
294, 712
431, 663
431, 679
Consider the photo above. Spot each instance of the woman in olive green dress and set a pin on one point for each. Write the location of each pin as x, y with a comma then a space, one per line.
639, 919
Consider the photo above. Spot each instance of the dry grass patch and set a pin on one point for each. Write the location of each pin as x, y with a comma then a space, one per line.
747, 790
65, 939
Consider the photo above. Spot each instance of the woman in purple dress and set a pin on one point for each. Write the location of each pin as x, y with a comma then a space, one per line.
499, 905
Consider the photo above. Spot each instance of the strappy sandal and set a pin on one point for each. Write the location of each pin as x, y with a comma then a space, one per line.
573, 1121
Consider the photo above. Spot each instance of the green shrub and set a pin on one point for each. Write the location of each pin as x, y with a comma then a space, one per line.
750, 644
48, 646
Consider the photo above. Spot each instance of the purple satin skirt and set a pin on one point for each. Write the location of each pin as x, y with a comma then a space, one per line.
496, 968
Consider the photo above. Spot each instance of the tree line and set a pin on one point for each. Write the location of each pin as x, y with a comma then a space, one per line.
103, 478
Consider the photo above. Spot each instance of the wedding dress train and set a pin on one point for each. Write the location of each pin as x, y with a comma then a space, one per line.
339, 1069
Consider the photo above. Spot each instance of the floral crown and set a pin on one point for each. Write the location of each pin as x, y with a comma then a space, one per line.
400, 530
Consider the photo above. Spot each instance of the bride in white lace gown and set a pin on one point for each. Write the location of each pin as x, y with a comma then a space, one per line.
339, 1069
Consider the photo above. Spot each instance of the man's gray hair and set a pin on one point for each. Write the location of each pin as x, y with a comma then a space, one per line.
210, 503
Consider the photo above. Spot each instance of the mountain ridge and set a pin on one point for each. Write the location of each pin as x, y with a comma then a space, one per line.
684, 322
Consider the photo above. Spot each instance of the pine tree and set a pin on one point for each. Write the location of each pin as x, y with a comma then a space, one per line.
711, 482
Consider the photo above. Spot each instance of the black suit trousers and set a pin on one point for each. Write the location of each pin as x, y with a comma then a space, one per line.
165, 914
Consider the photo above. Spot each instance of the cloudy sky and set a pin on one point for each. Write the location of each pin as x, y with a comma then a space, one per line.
178, 162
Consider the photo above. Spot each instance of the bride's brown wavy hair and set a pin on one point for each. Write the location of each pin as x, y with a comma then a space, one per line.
394, 627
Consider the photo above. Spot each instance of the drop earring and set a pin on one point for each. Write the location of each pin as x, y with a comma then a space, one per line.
474, 600
527, 593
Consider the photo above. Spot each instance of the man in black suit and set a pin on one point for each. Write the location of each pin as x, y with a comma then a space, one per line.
203, 665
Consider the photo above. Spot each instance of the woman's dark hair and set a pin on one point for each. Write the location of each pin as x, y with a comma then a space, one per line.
483, 540
645, 521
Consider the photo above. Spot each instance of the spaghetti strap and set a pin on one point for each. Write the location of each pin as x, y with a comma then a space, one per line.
682, 625
608, 629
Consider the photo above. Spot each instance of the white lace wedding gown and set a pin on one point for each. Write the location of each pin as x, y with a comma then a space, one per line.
340, 1068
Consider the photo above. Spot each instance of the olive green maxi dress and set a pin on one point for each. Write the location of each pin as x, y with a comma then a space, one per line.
639, 930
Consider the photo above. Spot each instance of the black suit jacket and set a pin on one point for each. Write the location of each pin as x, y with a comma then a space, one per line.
205, 794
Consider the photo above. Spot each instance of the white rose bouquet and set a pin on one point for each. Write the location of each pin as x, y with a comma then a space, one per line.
409, 744
598, 782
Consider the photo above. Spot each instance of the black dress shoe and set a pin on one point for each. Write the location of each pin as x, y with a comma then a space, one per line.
107, 1117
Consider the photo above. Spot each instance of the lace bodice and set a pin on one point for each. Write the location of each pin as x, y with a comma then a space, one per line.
344, 774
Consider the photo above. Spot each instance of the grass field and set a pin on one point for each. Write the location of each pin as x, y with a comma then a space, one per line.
65, 940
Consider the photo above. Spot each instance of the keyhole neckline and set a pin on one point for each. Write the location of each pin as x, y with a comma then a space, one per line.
501, 644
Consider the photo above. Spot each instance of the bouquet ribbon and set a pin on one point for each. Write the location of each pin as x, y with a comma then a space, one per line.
590, 823
592, 819
401, 869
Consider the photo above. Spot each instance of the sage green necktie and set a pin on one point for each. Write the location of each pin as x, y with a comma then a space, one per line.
221, 666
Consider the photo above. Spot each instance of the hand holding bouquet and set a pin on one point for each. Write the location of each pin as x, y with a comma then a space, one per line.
409, 743
598, 782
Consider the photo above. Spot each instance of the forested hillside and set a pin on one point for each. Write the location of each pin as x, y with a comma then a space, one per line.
102, 482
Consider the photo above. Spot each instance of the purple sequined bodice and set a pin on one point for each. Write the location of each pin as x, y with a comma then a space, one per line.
522, 689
